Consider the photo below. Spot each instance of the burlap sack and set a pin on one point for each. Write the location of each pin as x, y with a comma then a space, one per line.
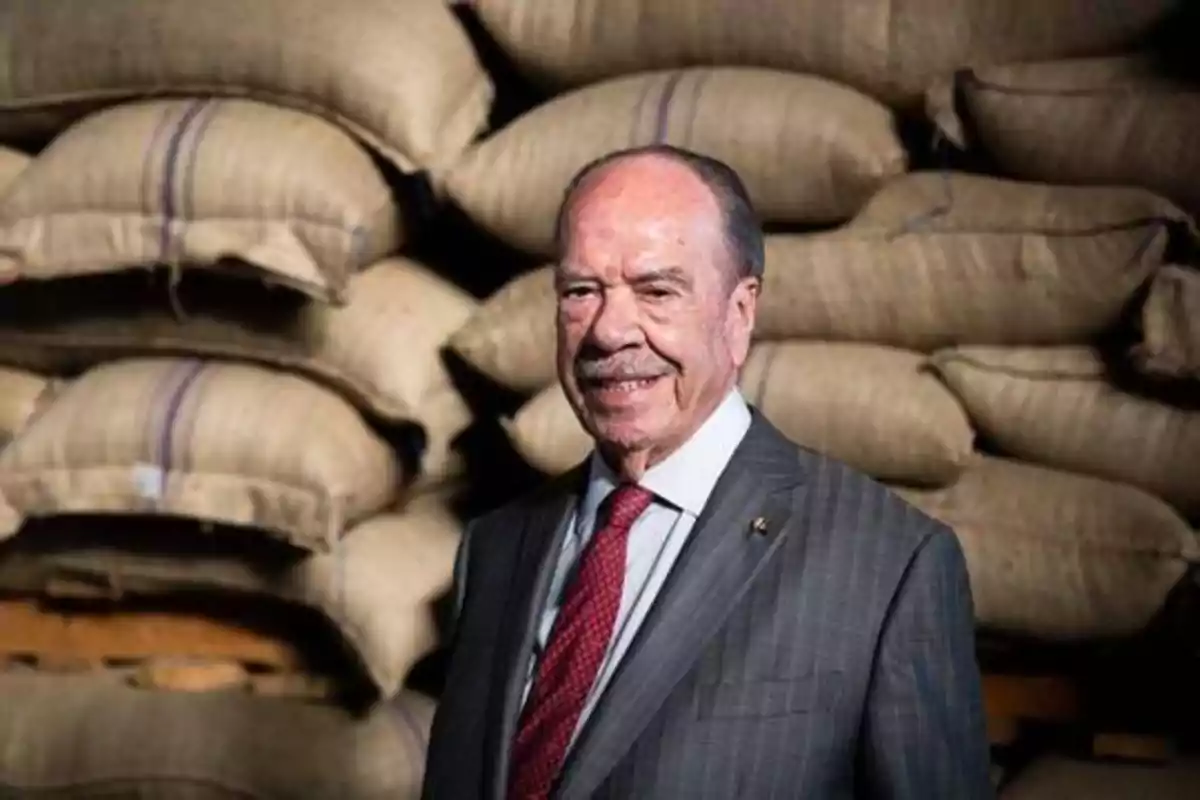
511, 338
193, 182
1056, 406
220, 442
940, 258
813, 166
1061, 556
1108, 121
1058, 778
402, 76
22, 395
377, 587
76, 737
1170, 325
872, 407
546, 433
12, 163
381, 350
889, 48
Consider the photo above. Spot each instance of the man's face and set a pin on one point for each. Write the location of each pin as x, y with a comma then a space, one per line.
652, 325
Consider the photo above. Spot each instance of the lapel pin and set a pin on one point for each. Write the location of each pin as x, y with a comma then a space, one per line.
758, 526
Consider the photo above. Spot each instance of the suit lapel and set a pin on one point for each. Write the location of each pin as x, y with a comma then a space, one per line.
724, 554
541, 540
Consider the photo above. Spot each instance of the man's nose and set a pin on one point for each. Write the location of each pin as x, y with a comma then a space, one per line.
617, 323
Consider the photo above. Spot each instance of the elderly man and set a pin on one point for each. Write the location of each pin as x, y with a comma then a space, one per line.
702, 609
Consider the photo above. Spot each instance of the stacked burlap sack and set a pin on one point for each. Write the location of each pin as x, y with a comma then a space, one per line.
223, 390
902, 266
849, 320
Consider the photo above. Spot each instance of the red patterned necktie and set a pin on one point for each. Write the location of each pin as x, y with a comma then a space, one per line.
578, 642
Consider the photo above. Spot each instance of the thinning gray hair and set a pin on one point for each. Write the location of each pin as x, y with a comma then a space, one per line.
743, 230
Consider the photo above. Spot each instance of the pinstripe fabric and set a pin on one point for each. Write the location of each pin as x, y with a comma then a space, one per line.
831, 657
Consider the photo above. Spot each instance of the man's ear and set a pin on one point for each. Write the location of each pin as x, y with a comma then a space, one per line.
740, 318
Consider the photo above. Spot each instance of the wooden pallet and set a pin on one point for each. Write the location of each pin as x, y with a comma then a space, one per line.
175, 652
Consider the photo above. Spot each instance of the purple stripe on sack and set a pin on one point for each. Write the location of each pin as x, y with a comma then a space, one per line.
664, 108
170, 165
189, 191
697, 90
158, 398
185, 425
174, 403
635, 129
164, 124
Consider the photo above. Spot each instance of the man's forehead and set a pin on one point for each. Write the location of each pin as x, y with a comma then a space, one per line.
647, 183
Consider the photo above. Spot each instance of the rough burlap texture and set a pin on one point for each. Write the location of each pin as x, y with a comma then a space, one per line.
22, 395
1060, 556
12, 163
377, 586
1058, 407
872, 407
1170, 325
940, 258
381, 350
1107, 121
219, 442
934, 259
196, 182
73, 738
891, 49
511, 338
809, 151
1058, 778
400, 74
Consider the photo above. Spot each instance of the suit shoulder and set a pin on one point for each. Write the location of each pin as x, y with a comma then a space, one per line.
876, 510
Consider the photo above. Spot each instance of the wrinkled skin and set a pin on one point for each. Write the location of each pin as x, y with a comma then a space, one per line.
653, 322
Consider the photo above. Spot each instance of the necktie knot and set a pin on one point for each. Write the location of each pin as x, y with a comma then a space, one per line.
626, 503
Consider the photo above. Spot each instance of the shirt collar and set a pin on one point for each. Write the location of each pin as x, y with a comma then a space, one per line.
686, 478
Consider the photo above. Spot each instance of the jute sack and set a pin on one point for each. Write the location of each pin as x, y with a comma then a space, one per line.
79, 737
12, 162
1170, 325
891, 49
196, 182
1107, 121
1057, 406
934, 259
812, 166
511, 338
381, 350
22, 395
1061, 556
940, 258
377, 586
219, 442
402, 76
1058, 778
870, 406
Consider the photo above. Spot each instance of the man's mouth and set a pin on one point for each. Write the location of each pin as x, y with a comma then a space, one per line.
618, 385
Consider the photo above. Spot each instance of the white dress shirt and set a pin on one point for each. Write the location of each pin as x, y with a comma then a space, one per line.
681, 485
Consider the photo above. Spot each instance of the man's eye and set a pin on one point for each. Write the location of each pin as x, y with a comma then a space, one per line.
656, 292
576, 292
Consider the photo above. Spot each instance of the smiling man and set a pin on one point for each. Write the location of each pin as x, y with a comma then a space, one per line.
702, 609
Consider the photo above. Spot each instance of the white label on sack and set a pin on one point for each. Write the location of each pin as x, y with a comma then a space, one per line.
150, 480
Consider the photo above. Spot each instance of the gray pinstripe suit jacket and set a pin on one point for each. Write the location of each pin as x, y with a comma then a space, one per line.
830, 657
